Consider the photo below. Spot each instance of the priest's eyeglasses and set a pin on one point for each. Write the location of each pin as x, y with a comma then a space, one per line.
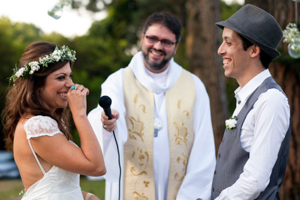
164, 42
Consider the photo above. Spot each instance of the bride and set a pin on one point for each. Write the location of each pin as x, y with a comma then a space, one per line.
36, 126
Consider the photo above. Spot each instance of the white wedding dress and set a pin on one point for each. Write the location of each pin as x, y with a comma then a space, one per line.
57, 183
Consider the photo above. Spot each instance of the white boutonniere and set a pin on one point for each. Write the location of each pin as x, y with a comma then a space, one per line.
231, 123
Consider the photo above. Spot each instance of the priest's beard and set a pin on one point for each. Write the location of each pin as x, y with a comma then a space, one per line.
154, 65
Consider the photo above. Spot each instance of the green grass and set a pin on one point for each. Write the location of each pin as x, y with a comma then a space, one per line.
95, 187
10, 189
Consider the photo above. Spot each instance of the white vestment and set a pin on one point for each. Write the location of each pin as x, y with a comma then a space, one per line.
201, 164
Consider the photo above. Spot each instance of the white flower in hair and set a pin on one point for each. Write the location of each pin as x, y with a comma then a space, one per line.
43, 60
20, 72
57, 55
69, 54
34, 66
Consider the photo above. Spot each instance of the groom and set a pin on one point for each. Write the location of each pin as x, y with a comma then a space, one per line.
252, 157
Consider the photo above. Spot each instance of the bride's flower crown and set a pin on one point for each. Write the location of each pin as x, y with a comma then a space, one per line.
58, 55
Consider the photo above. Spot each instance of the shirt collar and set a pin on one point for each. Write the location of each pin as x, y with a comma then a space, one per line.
139, 70
160, 78
242, 94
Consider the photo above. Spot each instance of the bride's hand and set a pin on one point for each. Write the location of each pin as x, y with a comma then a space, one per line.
93, 197
77, 99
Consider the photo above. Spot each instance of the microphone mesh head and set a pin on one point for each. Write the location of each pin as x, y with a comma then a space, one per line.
105, 101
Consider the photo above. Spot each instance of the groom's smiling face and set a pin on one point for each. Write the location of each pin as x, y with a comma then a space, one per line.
235, 58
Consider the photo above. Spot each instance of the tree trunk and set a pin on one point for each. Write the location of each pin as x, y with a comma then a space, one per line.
202, 42
286, 72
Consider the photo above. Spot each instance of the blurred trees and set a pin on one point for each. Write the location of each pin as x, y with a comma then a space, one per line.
286, 72
13, 40
197, 51
202, 42
110, 43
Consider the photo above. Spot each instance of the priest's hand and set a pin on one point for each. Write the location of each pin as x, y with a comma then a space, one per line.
110, 124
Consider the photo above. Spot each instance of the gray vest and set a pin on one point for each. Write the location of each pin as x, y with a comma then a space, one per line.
232, 157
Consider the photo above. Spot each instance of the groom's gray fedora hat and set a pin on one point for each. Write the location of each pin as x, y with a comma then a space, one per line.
256, 25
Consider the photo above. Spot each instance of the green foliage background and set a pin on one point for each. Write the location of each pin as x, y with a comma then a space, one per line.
107, 46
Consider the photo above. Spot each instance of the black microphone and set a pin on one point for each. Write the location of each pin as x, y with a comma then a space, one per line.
105, 102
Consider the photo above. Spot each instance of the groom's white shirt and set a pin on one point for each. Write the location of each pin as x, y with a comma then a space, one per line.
262, 133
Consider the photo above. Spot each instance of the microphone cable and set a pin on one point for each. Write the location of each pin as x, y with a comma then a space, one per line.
105, 102
119, 164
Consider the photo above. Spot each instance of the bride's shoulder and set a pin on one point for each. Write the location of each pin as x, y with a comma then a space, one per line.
39, 119
39, 125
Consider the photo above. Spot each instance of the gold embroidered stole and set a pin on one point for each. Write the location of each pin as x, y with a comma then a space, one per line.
138, 150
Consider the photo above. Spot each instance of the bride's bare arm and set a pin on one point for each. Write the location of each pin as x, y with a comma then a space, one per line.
58, 151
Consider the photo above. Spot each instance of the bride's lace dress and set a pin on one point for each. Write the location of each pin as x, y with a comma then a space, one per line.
57, 184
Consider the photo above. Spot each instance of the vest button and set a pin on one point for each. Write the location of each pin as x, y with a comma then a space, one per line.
213, 189
215, 172
219, 155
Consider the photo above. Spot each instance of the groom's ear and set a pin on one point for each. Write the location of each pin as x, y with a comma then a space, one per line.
255, 51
